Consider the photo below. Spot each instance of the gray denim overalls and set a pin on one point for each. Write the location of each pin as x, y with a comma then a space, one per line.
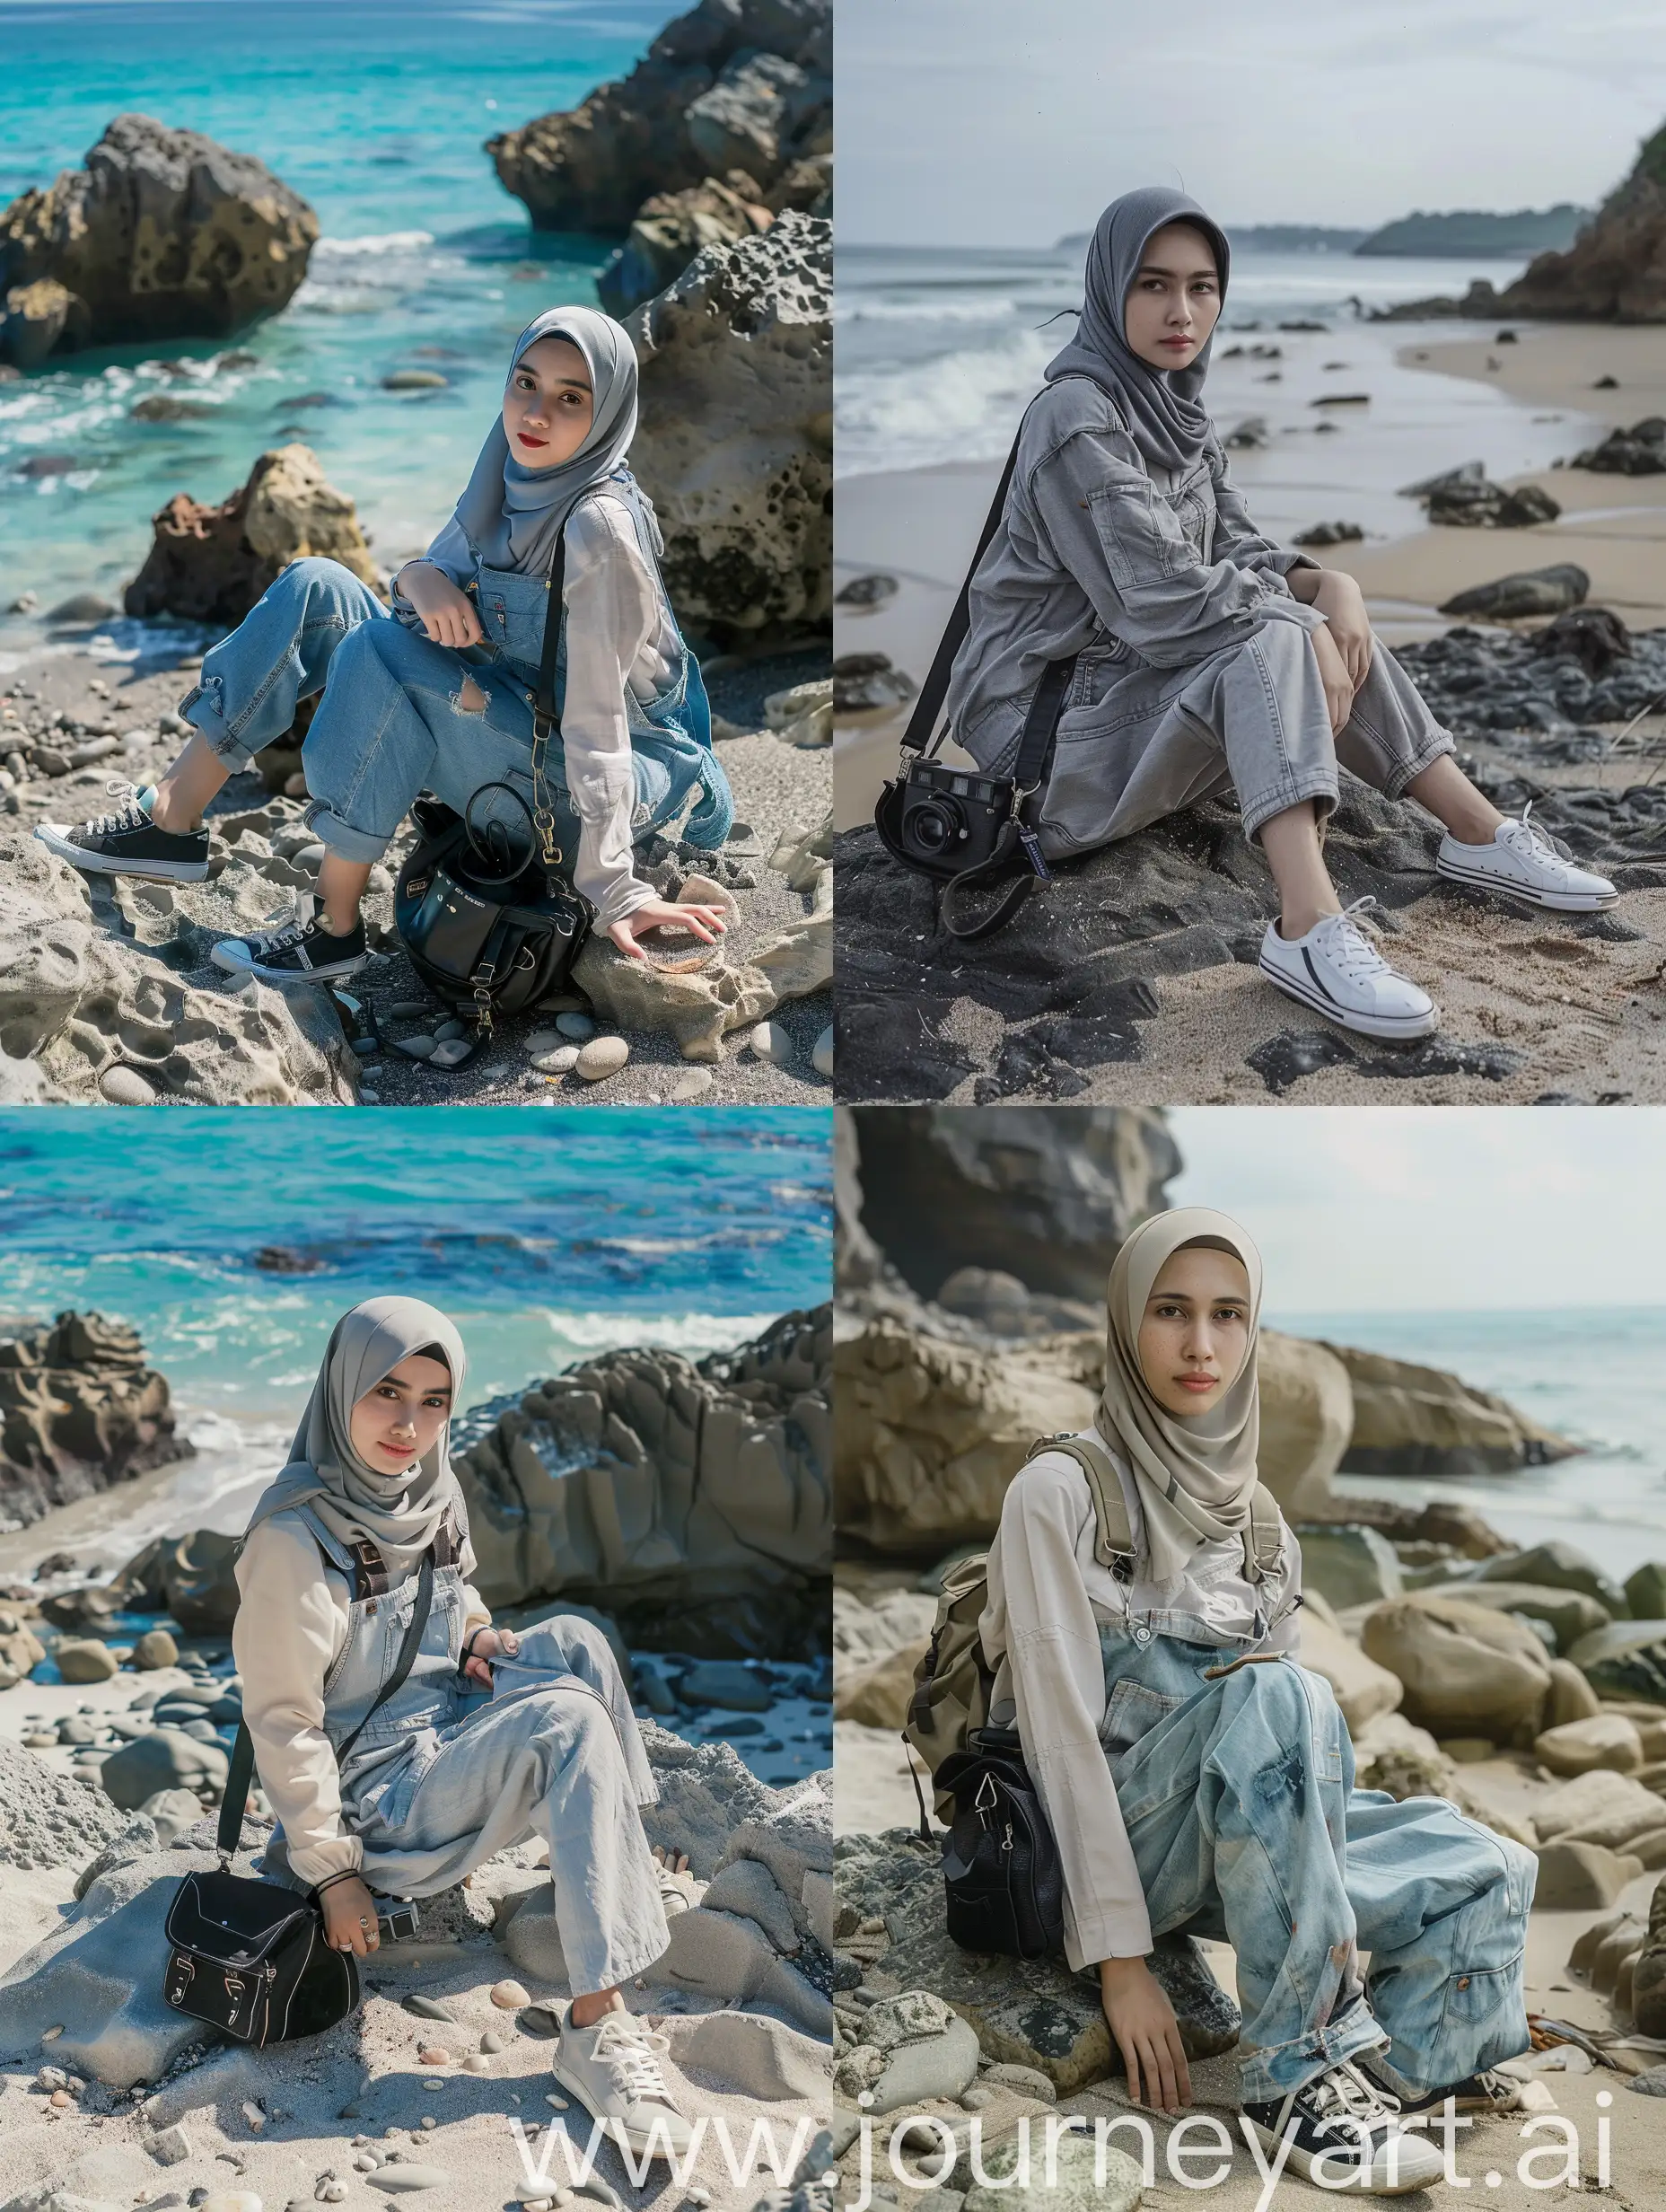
444, 1775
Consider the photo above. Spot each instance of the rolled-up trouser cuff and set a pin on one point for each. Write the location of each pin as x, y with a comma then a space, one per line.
1272, 2073
340, 836
1408, 772
1291, 790
197, 709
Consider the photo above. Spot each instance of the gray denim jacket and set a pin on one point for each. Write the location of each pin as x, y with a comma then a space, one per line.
1097, 555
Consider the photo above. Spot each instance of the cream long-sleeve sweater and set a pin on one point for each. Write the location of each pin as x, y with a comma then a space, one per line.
1039, 1630
290, 1624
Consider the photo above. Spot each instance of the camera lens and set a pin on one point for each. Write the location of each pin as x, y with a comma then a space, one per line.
935, 826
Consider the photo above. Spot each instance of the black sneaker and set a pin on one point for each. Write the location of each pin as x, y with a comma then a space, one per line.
128, 843
1477, 2092
298, 951
1348, 2129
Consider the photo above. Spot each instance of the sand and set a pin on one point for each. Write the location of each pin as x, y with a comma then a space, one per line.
1586, 1015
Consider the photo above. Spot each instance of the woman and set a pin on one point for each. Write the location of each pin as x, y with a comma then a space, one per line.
1196, 1776
1209, 657
438, 696
438, 1781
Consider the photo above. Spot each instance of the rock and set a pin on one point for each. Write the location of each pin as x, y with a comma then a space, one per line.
1075, 2182
451, 1052
192, 1577
125, 1086
746, 1885
169, 2145
694, 1082
1421, 1421
698, 1001
1465, 1670
162, 234
1555, 1566
753, 2056
1535, 591
736, 443
155, 1648
579, 1027
1580, 1746
725, 1957
1350, 1566
669, 230
415, 380
421, 1047
210, 563
878, 1696
405, 2180
428, 2007
601, 1057
1362, 1688
1627, 1659
80, 1410
1598, 1807
166, 1759
43, 969
1648, 1981
1328, 533
770, 1041
867, 592
821, 1053
1569, 1614
913, 2047
1576, 1877
508, 1996
85, 1660
173, 1810
868, 683
1640, 451
728, 1684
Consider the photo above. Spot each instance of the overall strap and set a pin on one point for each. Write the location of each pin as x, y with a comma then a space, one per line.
545, 722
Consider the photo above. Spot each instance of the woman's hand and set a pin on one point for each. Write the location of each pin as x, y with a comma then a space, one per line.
1142, 2021
490, 1643
655, 914
1340, 601
1334, 675
448, 615
350, 1917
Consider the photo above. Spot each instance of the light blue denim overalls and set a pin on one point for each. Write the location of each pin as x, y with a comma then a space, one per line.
445, 1776
1237, 1790
391, 726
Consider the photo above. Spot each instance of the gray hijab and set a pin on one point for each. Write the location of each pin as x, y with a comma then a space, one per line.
515, 514
1165, 416
399, 1513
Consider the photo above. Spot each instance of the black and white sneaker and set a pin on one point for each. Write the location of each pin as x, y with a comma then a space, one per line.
1485, 2092
1345, 2132
128, 843
298, 951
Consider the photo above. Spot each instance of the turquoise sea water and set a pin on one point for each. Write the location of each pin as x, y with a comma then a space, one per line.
374, 110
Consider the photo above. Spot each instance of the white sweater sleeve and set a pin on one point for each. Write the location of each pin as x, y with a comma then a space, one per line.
288, 1628
612, 610
1040, 1607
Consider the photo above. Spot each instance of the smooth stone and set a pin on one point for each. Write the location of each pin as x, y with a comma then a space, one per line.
155, 1648
509, 1995
405, 2180
1580, 1746
771, 1042
1576, 1877
821, 1053
449, 1027
577, 1026
449, 1052
695, 1084
477, 2063
491, 2043
557, 1060
409, 1010
726, 1683
231, 2200
417, 1047
85, 1659
543, 1040
428, 2007
125, 1086
601, 1057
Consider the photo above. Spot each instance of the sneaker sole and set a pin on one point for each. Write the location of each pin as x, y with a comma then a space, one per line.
1303, 2162
631, 2134
1560, 902
103, 864
287, 978
1402, 1030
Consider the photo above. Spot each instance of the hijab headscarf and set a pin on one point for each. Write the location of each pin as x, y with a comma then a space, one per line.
514, 513
1196, 1473
1165, 416
400, 1512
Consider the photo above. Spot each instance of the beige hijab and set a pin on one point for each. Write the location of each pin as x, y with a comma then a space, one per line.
1196, 1474
399, 1513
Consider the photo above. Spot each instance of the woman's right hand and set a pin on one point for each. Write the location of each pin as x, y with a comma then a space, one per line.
1147, 2035
350, 1917
448, 615
1334, 675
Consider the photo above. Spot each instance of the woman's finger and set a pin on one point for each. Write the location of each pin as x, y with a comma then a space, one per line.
1131, 2060
1182, 2072
1159, 2069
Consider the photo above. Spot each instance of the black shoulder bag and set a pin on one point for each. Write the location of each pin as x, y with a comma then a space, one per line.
958, 825
492, 927
1003, 1881
250, 1957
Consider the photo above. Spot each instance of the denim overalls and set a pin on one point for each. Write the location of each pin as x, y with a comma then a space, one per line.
1237, 1790
392, 723
444, 1775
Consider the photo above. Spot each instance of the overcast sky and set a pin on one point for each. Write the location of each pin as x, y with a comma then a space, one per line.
983, 122
1365, 1210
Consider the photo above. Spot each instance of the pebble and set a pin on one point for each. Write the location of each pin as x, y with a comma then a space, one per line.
601, 1058
821, 1053
451, 1028
694, 1084
331, 2193
308, 856
431, 2055
402, 2179
559, 2103
429, 2121
543, 1040
365, 2163
491, 2043
477, 2063
427, 2007
450, 1051
557, 1060
95, 748
369, 1098
509, 1995
51, 2077
408, 1010
231, 2200
125, 1086
578, 1026
771, 1042
418, 1047
84, 1659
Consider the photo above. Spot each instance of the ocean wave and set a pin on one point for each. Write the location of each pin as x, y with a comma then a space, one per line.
372, 242
985, 311
963, 405
693, 1333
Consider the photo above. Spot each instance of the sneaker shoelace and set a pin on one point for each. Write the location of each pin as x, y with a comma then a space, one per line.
128, 815
1343, 940
1344, 2102
1532, 841
287, 934
628, 2050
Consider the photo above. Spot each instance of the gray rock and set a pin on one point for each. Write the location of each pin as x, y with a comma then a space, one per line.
169, 2145
793, 1839
726, 1683
746, 1885
753, 2056
1578, 1877
166, 1759
1349, 1565
428, 2007
1651, 2083
43, 969
1076, 2188
1524, 592
1555, 1566
404, 2181
913, 2047
726, 1958
532, 1938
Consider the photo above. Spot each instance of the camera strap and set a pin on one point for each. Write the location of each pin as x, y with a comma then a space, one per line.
918, 737
1035, 747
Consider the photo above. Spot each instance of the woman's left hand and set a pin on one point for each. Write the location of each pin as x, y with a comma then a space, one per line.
490, 1643
1340, 601
661, 913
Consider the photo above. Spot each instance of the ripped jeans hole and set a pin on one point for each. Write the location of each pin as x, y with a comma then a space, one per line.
1288, 1773
470, 700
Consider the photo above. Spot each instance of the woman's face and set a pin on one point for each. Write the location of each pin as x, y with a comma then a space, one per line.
1174, 300
394, 1423
550, 406
1194, 1332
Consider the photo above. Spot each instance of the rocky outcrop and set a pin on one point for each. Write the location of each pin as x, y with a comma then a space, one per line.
209, 563
163, 234
1466, 1670
1615, 271
1421, 1421
692, 1499
79, 1410
188, 1577
736, 441
736, 86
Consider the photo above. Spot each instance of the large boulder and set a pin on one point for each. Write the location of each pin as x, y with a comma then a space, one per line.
79, 1409
1364, 1690
1569, 1614
736, 441
1466, 1671
163, 234
191, 1577
669, 230
1627, 1659
209, 563
1616, 268
1421, 1421
691, 1499
1559, 1567
733, 85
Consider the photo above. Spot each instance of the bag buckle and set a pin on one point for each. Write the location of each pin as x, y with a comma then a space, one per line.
482, 1008
986, 1800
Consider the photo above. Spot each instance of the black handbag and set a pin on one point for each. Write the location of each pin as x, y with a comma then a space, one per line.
250, 1957
491, 929
1003, 1881
961, 827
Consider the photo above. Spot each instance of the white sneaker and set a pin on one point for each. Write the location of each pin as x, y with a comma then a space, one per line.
613, 2069
1524, 863
1345, 2132
1339, 972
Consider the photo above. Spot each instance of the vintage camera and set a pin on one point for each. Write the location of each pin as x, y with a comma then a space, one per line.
395, 1917
951, 818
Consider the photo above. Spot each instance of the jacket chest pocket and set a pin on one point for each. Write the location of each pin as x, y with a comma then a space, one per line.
1132, 1709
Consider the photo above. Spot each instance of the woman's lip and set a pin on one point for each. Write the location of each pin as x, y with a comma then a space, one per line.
1198, 1383
1177, 343
521, 436
395, 1451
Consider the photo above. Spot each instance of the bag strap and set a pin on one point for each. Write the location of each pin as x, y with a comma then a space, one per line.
1035, 751
1264, 1537
241, 1772
918, 735
545, 722
1111, 1508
